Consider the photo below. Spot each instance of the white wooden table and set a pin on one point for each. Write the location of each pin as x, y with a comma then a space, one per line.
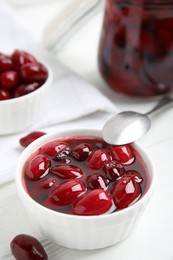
153, 238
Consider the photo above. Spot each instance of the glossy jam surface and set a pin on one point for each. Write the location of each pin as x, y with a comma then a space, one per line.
85, 176
20, 74
136, 47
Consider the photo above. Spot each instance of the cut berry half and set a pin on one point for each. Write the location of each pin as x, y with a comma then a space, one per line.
95, 202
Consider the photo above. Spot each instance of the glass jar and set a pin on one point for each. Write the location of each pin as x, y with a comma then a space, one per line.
136, 47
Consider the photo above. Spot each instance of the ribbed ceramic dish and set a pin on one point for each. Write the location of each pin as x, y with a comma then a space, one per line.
19, 113
82, 232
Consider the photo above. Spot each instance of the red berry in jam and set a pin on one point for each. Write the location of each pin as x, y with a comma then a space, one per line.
95, 202
37, 167
98, 159
29, 138
26, 247
4, 94
25, 89
49, 182
62, 154
125, 192
62, 160
137, 176
122, 154
108, 179
5, 63
67, 192
97, 181
67, 171
32, 72
9, 79
54, 148
20, 57
113, 170
81, 151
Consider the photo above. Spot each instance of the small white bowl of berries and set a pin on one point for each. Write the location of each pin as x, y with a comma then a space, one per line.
82, 192
24, 82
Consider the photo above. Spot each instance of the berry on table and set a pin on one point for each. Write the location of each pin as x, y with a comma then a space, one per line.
29, 138
26, 247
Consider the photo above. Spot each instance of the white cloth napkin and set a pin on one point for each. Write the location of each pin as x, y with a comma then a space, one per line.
71, 97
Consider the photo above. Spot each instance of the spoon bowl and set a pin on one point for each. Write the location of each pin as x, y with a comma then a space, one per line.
125, 127
128, 126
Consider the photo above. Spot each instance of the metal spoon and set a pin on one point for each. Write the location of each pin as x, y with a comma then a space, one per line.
128, 126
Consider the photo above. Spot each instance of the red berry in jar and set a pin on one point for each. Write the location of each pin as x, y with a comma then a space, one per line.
97, 181
25, 89
122, 154
32, 72
67, 171
38, 167
120, 37
114, 170
20, 58
29, 138
67, 192
4, 94
137, 59
26, 247
98, 159
9, 79
81, 151
125, 192
95, 202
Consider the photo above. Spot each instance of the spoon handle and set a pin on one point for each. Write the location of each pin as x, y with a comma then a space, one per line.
161, 104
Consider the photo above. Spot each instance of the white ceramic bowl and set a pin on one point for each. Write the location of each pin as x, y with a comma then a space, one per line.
19, 113
82, 232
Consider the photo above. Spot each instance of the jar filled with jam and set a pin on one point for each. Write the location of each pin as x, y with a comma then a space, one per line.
136, 47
